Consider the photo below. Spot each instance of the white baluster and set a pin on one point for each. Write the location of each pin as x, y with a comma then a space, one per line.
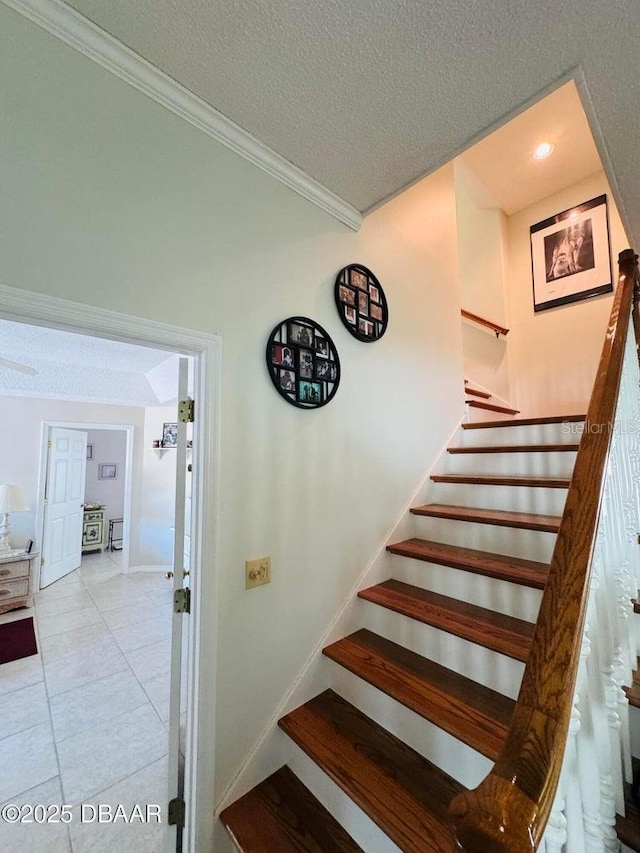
556, 833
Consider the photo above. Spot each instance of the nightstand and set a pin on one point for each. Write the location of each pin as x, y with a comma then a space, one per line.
17, 570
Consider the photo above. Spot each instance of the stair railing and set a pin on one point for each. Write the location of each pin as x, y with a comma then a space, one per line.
558, 781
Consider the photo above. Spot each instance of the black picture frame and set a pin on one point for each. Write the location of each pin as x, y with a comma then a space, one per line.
571, 255
361, 303
309, 348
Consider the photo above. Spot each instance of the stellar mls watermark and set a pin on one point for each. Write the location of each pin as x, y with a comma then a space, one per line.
625, 427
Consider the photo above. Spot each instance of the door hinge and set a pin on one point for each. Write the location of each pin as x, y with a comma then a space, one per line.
182, 601
42, 561
176, 812
49, 445
186, 410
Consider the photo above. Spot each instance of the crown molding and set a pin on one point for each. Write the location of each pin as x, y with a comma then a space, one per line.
84, 36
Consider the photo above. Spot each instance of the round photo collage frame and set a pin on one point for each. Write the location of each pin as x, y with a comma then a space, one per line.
303, 363
361, 303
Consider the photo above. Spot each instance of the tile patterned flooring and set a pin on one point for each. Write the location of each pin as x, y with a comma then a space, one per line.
86, 719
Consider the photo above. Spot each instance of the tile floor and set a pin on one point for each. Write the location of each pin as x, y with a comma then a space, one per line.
86, 719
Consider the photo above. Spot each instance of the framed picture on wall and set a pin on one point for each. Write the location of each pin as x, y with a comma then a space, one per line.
169, 435
571, 255
108, 471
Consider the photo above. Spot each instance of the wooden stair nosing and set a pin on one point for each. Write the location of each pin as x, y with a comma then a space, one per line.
470, 712
498, 517
490, 480
516, 448
281, 815
492, 407
555, 419
475, 392
403, 793
495, 631
498, 566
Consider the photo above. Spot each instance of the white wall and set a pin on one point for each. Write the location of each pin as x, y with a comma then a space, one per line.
481, 265
21, 420
554, 354
109, 445
158, 491
112, 201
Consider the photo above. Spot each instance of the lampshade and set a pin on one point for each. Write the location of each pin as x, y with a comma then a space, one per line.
11, 499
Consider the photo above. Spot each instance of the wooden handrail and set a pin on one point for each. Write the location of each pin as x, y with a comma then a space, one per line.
499, 330
508, 811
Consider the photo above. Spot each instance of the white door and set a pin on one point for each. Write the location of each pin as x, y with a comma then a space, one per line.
64, 496
179, 631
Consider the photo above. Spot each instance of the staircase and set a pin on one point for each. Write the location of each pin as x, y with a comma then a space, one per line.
477, 398
422, 694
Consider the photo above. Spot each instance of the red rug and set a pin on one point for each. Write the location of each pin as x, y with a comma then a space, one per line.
17, 640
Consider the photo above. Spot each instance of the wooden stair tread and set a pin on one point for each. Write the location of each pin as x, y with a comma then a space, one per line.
402, 792
633, 691
517, 448
488, 628
513, 569
475, 392
281, 815
486, 480
492, 407
469, 711
499, 517
556, 419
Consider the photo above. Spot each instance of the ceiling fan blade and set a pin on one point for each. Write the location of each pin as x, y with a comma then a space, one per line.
21, 368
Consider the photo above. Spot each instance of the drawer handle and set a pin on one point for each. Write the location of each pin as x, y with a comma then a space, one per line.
4, 573
5, 592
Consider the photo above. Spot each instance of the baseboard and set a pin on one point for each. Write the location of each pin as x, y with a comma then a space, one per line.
266, 755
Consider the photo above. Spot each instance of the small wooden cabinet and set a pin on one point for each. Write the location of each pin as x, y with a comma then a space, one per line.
93, 530
16, 580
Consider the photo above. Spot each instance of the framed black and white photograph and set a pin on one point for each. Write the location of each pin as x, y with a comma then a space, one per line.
326, 370
366, 316
287, 380
305, 365
89, 451
300, 333
322, 348
571, 255
303, 362
108, 471
169, 435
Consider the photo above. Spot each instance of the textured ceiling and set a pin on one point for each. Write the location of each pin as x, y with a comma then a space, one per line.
367, 96
78, 367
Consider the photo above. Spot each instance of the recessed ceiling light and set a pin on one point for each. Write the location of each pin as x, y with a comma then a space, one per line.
543, 150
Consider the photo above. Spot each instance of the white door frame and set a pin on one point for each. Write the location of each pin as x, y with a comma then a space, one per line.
129, 429
43, 310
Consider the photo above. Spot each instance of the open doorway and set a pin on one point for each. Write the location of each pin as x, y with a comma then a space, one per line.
131, 603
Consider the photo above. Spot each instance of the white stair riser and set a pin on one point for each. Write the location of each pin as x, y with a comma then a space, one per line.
502, 596
565, 433
529, 544
359, 826
513, 498
494, 670
454, 757
476, 414
534, 464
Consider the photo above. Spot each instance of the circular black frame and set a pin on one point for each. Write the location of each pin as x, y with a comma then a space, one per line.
358, 280
288, 353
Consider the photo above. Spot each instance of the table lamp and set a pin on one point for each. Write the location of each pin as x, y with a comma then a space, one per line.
11, 500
